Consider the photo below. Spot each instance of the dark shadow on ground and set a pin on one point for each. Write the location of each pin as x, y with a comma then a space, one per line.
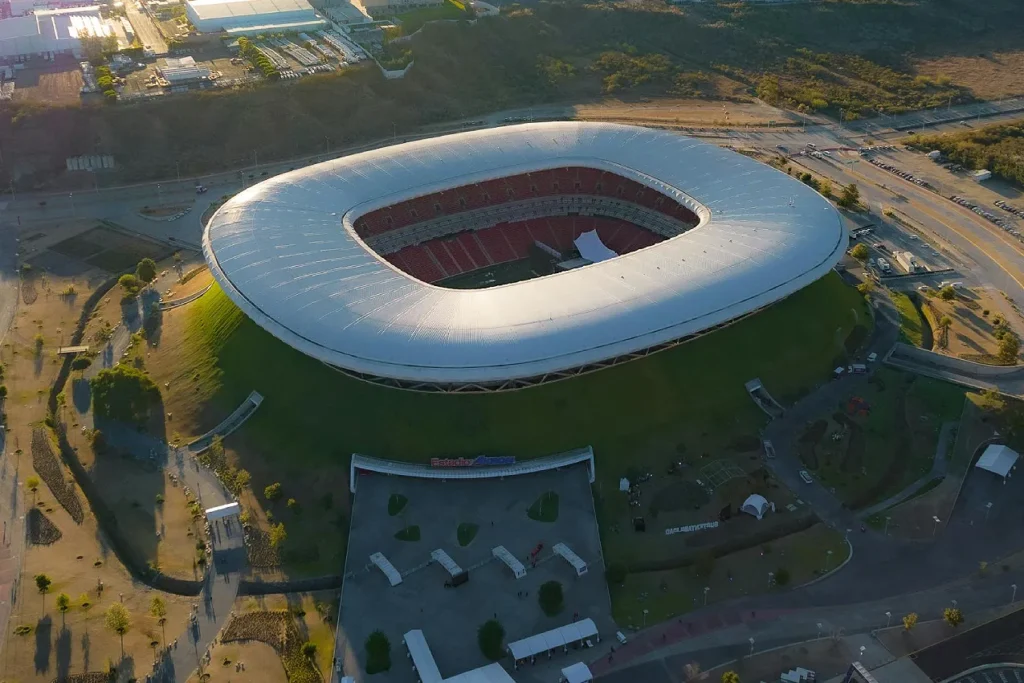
63, 653
44, 643
81, 394
86, 650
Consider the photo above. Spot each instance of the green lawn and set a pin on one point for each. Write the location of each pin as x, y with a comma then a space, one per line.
891, 447
911, 322
545, 508
413, 20
466, 533
396, 503
409, 533
632, 414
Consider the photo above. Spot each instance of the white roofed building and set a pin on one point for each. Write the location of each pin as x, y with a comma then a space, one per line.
252, 16
289, 253
57, 31
998, 459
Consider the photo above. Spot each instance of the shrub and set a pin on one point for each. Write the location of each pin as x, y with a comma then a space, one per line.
146, 270
551, 598
859, 252
947, 293
615, 573
81, 363
273, 492
378, 653
782, 576
910, 621
953, 616
490, 637
294, 506
309, 649
123, 393
130, 284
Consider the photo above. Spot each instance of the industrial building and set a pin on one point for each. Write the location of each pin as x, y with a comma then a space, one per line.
244, 17
51, 31
378, 8
20, 8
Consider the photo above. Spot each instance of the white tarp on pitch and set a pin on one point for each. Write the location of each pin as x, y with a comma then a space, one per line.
421, 657
592, 248
577, 673
998, 459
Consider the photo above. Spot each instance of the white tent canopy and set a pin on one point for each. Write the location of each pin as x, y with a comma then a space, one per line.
382, 563
222, 511
492, 673
421, 657
577, 673
566, 553
998, 459
756, 505
592, 248
445, 560
623, 484
562, 636
510, 560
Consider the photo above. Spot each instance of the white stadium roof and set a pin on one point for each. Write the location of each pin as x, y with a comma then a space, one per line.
285, 251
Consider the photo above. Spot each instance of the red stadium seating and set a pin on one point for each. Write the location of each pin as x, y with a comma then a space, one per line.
472, 248
462, 259
442, 256
418, 264
497, 246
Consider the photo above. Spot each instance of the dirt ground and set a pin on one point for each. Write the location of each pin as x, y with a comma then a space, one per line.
81, 558
57, 82
991, 76
686, 112
974, 314
314, 613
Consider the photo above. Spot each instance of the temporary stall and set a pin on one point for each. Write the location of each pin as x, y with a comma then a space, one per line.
756, 505
566, 553
577, 673
561, 637
998, 459
382, 563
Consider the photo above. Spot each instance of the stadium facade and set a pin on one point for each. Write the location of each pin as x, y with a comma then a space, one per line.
347, 260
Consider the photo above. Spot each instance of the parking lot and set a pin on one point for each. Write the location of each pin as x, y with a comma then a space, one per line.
450, 617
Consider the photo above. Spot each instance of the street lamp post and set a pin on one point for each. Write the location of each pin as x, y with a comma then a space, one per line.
828, 559
751, 639
706, 589
645, 617
71, 196
819, 629
1013, 598
159, 194
885, 532
888, 619
954, 604
771, 578
988, 509
936, 527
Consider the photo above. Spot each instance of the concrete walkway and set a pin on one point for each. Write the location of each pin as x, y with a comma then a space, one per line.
938, 470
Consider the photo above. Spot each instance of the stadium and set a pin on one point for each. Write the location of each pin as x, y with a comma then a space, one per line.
503, 258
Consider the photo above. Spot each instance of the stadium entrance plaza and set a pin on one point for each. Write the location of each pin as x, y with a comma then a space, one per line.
450, 617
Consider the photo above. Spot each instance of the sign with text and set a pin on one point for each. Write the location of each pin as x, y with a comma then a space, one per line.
691, 528
478, 461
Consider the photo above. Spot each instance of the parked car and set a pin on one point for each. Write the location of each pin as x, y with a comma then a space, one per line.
806, 477
769, 449
872, 357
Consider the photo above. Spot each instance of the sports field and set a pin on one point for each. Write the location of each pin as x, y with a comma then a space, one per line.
502, 274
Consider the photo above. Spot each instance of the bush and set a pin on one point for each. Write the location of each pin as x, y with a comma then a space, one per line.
309, 649
81, 363
146, 270
782, 576
490, 637
378, 653
130, 284
273, 492
294, 506
615, 573
859, 252
551, 598
947, 293
123, 393
953, 616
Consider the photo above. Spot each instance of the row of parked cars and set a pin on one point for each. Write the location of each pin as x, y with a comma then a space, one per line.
987, 215
1012, 209
896, 171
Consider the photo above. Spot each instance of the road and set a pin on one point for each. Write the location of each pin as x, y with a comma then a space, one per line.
145, 30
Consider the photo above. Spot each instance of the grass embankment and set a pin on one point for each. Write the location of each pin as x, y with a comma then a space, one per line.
312, 418
413, 20
913, 328
886, 436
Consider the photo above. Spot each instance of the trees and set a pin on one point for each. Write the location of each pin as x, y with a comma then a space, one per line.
378, 653
730, 677
1009, 348
849, 197
910, 621
130, 284
33, 485
953, 616
309, 649
158, 609
551, 598
947, 293
859, 252
43, 583
615, 573
123, 393
945, 322
490, 637
278, 535
825, 188
118, 620
273, 492
63, 605
146, 270
80, 363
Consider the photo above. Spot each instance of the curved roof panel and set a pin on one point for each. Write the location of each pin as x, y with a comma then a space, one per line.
285, 251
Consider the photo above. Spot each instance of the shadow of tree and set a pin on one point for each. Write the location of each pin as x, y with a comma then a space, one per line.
44, 643
81, 394
63, 653
86, 650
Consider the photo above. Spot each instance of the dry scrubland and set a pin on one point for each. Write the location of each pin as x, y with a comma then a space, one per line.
572, 52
